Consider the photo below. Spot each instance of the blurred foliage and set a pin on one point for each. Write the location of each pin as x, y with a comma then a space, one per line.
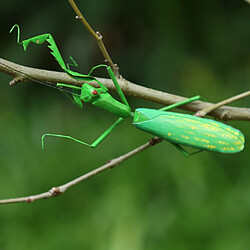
158, 199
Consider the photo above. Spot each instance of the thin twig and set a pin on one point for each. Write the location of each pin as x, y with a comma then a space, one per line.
16, 80
130, 89
206, 111
55, 191
97, 36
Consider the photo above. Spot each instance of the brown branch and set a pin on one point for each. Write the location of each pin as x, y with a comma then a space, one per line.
97, 36
55, 191
223, 113
206, 111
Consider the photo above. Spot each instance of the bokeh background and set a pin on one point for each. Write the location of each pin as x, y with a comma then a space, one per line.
159, 199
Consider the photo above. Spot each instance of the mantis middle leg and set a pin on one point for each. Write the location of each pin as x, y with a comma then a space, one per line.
92, 145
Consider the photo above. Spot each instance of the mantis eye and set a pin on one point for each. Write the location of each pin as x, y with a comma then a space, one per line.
94, 92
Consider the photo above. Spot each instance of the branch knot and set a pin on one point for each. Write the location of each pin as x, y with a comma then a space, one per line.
78, 17
99, 35
55, 191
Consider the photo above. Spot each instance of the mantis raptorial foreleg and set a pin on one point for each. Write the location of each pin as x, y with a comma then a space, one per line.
76, 97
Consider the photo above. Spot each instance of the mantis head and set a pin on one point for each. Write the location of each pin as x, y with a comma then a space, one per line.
89, 93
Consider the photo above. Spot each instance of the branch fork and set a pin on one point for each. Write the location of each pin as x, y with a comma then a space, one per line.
16, 80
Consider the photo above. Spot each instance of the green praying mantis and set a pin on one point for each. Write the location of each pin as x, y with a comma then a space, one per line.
179, 129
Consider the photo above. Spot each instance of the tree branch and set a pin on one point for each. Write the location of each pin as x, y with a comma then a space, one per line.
55, 191
97, 36
202, 113
223, 113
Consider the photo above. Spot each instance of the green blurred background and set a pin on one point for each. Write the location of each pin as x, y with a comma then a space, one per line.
158, 199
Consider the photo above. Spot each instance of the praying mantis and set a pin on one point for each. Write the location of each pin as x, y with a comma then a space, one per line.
179, 129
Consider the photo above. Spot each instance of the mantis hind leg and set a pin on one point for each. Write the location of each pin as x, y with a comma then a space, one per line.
183, 151
192, 99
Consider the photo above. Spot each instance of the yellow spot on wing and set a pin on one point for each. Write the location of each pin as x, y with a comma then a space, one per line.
238, 143
185, 137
